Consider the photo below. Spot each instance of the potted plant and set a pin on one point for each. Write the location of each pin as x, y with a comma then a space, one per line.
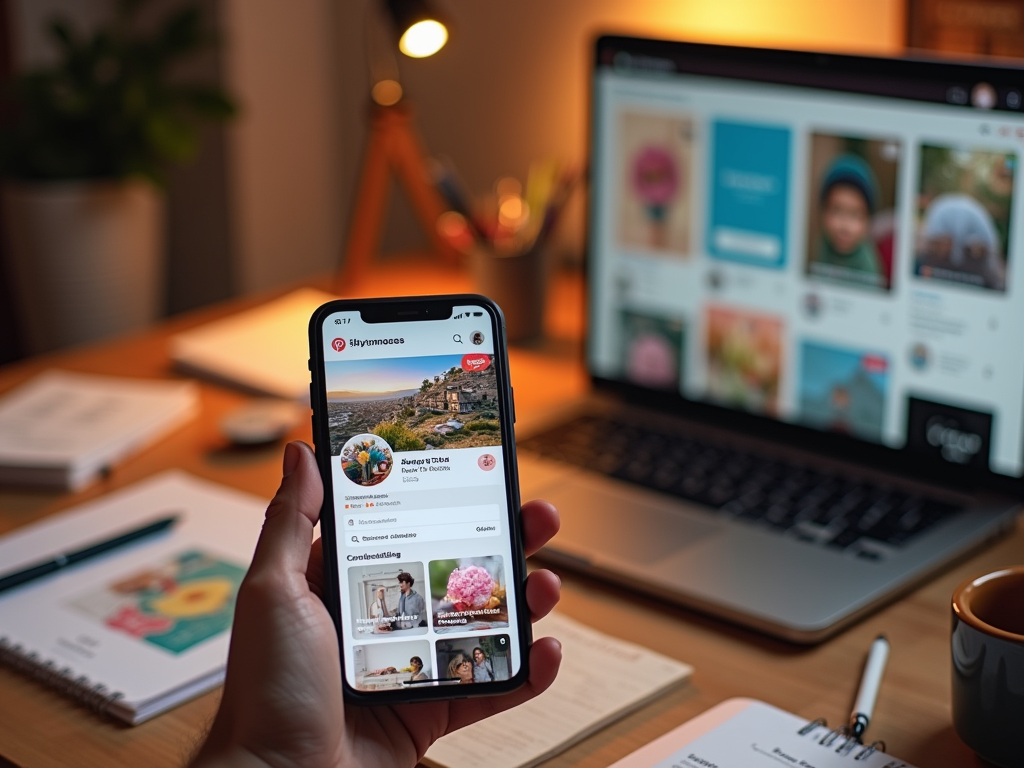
85, 145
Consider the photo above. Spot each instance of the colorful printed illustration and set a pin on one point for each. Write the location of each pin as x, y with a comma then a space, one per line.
411, 404
366, 460
851, 233
744, 359
652, 348
843, 390
655, 202
964, 205
468, 594
175, 606
749, 191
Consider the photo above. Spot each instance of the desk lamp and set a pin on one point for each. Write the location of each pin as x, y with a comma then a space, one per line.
393, 145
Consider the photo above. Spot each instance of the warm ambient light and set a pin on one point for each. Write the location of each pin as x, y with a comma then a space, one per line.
424, 38
387, 93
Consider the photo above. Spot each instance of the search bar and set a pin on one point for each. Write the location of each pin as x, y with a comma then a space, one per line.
384, 527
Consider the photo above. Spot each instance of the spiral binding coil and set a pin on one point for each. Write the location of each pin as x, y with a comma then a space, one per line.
96, 697
847, 743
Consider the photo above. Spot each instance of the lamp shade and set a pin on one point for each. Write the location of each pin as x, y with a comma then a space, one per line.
421, 31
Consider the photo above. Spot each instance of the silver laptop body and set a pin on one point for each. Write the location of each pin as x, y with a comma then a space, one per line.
728, 308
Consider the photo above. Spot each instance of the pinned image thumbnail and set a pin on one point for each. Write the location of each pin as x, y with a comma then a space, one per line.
965, 198
654, 201
744, 359
468, 594
852, 219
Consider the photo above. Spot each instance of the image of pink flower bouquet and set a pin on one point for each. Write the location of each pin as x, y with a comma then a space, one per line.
468, 594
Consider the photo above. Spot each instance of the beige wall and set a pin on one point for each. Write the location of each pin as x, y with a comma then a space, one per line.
280, 61
511, 84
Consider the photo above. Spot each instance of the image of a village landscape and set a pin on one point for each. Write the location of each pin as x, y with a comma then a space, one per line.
415, 403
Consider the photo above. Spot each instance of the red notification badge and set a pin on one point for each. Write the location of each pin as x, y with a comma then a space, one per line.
338, 345
475, 362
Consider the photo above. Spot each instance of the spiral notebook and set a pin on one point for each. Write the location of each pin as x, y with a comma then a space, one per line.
744, 733
144, 627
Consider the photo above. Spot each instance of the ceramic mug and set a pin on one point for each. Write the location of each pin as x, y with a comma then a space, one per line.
988, 665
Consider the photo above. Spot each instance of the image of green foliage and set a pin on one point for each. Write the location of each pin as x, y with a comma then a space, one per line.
398, 436
481, 425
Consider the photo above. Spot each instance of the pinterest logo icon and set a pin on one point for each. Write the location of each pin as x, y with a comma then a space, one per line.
338, 344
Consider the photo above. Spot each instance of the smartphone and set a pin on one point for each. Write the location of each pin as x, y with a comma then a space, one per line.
423, 555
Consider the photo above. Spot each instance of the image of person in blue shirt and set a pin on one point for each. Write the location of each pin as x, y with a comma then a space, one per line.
412, 608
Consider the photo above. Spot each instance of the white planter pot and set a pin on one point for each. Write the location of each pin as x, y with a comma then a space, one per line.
86, 259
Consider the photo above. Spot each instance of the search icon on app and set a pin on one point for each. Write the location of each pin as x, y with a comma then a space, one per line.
457, 337
355, 539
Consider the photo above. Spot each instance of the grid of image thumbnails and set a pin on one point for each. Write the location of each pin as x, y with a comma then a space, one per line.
462, 595
963, 197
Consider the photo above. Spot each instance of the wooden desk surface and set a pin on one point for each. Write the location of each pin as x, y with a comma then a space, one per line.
39, 728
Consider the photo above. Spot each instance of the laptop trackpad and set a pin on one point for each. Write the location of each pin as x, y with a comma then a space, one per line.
605, 523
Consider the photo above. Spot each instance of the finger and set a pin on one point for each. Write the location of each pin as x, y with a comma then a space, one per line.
542, 592
288, 528
545, 656
540, 523
315, 569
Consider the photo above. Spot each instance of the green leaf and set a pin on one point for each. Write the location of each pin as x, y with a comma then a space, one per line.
62, 35
182, 32
206, 101
110, 105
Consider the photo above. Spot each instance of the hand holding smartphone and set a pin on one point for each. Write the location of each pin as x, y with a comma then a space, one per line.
423, 557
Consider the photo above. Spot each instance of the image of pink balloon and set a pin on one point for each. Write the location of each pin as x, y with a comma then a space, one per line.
655, 176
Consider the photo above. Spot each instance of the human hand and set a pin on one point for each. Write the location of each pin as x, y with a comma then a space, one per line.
282, 702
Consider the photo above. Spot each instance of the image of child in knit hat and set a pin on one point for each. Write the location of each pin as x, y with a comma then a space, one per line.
963, 216
851, 230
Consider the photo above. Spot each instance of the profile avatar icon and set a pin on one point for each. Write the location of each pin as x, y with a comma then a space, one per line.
919, 356
366, 460
477, 337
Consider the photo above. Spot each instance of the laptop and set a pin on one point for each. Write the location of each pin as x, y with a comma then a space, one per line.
805, 286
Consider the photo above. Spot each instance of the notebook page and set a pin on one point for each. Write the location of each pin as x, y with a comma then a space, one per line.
741, 733
148, 618
601, 679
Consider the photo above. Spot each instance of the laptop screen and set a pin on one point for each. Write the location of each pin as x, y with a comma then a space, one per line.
824, 241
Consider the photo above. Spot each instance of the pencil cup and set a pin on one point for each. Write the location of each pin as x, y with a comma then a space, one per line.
517, 283
988, 665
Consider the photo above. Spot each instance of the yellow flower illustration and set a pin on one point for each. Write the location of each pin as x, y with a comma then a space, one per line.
362, 457
196, 598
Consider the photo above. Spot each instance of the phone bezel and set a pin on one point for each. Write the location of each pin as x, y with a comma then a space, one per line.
421, 309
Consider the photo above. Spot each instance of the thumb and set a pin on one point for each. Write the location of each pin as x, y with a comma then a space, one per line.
288, 528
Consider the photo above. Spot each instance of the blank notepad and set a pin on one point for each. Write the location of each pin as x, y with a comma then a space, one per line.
601, 679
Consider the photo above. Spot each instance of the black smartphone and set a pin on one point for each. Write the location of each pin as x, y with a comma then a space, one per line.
423, 555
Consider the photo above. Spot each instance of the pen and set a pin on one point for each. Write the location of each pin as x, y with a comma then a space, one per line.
869, 684
67, 559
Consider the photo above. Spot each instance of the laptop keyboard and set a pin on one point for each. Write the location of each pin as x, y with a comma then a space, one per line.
812, 505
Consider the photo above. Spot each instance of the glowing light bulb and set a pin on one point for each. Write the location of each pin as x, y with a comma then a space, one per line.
387, 92
424, 38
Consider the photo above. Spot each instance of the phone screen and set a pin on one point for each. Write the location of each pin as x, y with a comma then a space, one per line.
421, 505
